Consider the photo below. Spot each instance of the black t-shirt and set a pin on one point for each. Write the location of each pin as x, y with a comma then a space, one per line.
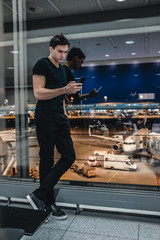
55, 78
76, 98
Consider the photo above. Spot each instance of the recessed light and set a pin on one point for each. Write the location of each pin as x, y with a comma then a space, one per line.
158, 51
120, 0
129, 42
133, 53
14, 52
10, 68
107, 55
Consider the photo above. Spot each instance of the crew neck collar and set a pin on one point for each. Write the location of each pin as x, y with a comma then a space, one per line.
54, 64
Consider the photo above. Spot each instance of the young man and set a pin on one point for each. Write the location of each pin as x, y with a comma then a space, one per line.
52, 125
75, 59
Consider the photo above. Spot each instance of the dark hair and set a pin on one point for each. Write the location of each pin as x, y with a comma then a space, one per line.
75, 52
58, 39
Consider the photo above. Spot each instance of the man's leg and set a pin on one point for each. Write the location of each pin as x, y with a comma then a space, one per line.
46, 136
65, 147
46, 142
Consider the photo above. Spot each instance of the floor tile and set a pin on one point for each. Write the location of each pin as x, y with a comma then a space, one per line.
149, 231
110, 227
120, 216
60, 224
87, 236
45, 234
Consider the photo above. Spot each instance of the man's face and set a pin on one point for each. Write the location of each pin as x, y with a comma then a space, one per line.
59, 53
77, 63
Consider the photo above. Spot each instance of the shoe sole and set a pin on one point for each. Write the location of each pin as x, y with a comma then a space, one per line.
31, 202
59, 218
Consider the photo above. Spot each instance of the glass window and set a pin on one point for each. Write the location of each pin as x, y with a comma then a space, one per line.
116, 134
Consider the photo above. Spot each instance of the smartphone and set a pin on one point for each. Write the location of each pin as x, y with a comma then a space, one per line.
98, 90
82, 79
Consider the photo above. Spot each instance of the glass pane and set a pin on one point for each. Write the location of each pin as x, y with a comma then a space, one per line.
118, 143
116, 134
14, 113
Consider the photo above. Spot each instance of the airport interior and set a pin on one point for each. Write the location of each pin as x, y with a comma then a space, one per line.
112, 190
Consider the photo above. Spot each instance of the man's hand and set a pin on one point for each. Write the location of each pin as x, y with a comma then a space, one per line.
93, 93
73, 87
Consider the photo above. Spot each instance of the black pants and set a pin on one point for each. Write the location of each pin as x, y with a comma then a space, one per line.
53, 129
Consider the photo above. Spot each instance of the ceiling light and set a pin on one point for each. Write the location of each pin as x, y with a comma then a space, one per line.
92, 65
120, 0
9, 68
129, 42
136, 62
14, 52
107, 55
133, 53
158, 51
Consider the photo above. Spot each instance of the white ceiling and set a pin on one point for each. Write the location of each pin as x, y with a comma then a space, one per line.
98, 27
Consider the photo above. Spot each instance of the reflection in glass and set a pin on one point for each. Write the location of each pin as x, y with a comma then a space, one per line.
115, 142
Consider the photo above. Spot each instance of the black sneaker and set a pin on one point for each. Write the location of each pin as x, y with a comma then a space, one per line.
36, 203
57, 213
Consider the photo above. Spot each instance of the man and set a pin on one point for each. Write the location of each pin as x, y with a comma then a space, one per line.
75, 59
52, 125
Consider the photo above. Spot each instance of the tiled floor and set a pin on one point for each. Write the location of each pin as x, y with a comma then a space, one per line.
96, 226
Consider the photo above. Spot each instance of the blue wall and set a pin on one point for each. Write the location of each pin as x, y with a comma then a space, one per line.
118, 81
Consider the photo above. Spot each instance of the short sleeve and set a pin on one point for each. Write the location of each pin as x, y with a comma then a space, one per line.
40, 68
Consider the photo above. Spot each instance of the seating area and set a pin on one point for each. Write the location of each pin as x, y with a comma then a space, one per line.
16, 221
11, 233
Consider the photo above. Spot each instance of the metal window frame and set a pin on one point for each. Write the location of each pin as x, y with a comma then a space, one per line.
141, 202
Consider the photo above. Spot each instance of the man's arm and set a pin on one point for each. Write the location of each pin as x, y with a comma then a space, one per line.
64, 107
83, 96
91, 94
67, 100
42, 93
